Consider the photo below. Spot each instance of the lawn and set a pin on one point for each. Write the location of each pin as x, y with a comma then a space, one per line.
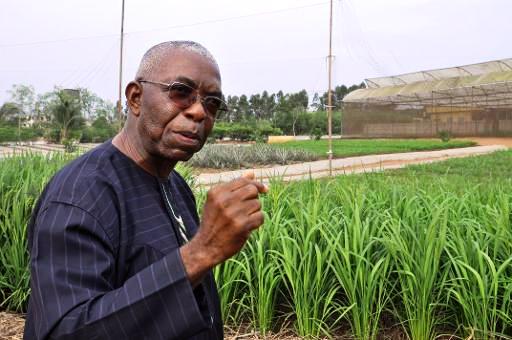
357, 147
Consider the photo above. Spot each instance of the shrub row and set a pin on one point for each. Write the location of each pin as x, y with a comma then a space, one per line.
12, 134
242, 156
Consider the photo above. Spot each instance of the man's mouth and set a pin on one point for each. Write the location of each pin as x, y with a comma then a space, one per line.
188, 134
188, 137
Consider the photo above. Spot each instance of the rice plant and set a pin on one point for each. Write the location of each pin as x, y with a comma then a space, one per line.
261, 279
21, 180
305, 259
416, 238
361, 265
481, 266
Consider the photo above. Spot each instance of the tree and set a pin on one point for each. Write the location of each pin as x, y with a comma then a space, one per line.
291, 101
268, 105
256, 109
243, 108
43, 105
316, 104
283, 120
24, 97
299, 100
92, 105
9, 112
295, 116
66, 113
338, 94
233, 113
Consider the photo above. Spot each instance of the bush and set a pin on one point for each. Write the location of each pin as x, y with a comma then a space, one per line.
241, 132
99, 131
12, 134
96, 135
70, 145
52, 135
220, 131
445, 135
231, 156
316, 133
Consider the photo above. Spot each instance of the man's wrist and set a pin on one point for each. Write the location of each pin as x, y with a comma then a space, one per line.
196, 262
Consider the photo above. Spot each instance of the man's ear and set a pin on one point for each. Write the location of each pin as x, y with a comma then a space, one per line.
133, 94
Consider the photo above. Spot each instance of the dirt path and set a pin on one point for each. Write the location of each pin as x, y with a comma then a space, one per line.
490, 140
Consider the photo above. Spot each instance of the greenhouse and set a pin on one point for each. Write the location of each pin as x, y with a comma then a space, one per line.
471, 100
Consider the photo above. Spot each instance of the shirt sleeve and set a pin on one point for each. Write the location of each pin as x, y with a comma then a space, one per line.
73, 296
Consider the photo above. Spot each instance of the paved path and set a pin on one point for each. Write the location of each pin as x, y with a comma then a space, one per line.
348, 165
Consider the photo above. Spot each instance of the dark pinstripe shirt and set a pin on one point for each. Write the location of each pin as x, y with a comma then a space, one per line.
104, 257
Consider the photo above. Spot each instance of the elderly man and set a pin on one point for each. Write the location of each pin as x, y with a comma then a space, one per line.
117, 249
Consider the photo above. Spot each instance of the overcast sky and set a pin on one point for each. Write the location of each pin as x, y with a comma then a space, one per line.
260, 45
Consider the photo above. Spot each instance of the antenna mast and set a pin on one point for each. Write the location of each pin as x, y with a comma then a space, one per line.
329, 94
119, 102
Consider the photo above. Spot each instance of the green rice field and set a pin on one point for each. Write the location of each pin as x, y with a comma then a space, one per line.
423, 252
357, 147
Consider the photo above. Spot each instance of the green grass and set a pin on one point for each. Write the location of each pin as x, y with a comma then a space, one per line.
22, 178
357, 147
425, 249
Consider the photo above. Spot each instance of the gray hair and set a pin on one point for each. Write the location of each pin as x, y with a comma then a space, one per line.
154, 55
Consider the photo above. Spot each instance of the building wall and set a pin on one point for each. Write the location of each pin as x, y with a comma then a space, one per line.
389, 121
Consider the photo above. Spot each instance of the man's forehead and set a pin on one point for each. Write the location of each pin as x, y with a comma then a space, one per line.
179, 63
179, 57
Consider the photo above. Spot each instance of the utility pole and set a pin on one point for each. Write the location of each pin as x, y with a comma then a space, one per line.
329, 94
119, 101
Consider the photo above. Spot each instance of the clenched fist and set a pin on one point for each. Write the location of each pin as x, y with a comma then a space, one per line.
232, 210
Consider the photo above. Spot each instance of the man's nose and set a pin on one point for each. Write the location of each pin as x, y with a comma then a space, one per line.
196, 110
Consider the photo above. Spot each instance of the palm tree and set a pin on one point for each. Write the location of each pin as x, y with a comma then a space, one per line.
66, 112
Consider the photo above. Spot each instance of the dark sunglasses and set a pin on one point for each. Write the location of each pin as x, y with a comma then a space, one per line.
184, 96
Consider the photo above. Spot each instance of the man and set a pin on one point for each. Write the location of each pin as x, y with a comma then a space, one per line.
117, 249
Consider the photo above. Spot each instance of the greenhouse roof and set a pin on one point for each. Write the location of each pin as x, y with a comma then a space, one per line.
481, 85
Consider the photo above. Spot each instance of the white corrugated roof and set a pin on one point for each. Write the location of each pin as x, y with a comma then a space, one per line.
488, 83
444, 73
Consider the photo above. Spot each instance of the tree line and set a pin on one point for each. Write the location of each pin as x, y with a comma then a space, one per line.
56, 115
292, 113
62, 114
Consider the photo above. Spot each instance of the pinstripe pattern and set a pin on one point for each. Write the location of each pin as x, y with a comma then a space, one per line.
104, 257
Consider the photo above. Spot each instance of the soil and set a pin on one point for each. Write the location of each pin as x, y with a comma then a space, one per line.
11, 326
490, 140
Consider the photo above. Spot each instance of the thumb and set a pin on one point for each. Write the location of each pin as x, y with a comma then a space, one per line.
248, 175
262, 188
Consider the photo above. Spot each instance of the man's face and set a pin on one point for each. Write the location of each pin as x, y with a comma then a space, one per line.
166, 130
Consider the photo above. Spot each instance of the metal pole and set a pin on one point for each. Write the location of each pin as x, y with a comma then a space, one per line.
119, 102
329, 94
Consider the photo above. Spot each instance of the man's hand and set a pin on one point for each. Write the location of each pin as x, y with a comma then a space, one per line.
232, 210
